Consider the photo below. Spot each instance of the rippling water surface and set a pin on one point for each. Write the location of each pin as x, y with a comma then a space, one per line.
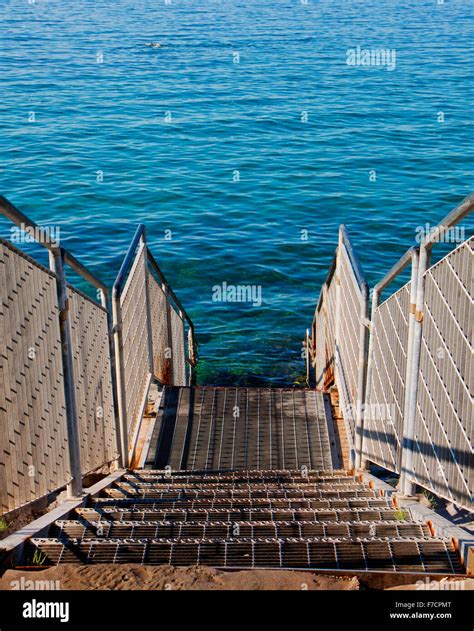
237, 160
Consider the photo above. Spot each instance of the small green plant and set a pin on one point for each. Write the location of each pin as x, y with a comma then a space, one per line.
401, 515
300, 381
432, 499
39, 558
3, 524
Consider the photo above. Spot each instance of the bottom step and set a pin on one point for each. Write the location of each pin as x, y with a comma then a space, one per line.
422, 556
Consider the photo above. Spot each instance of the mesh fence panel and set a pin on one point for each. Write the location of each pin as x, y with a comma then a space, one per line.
383, 427
93, 380
179, 349
443, 455
159, 330
135, 339
34, 458
347, 346
325, 337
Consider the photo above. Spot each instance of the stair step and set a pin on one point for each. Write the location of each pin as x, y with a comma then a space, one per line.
281, 476
137, 503
400, 555
149, 491
76, 529
214, 514
258, 486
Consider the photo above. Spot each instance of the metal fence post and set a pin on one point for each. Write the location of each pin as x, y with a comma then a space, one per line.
192, 355
307, 356
104, 301
169, 336
376, 296
151, 361
337, 325
181, 315
362, 372
56, 259
120, 376
408, 416
413, 370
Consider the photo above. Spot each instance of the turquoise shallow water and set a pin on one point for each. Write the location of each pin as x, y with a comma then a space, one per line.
169, 128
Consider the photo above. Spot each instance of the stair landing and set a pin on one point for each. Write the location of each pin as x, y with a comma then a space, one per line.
211, 428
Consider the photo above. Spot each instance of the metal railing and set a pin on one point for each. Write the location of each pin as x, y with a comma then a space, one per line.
56, 365
340, 335
70, 399
149, 325
441, 451
439, 414
323, 335
417, 405
391, 331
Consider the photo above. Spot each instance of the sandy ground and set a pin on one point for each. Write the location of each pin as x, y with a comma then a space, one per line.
164, 577
119, 577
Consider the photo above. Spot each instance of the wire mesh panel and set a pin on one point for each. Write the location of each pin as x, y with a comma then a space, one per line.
319, 341
443, 453
34, 458
93, 380
179, 349
325, 336
383, 427
133, 303
347, 345
159, 330
330, 331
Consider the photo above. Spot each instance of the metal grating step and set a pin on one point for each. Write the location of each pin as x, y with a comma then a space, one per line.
246, 520
149, 491
257, 486
320, 484
208, 428
209, 530
398, 555
279, 476
317, 515
170, 503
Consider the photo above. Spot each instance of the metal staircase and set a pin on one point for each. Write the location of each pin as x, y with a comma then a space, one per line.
225, 476
244, 491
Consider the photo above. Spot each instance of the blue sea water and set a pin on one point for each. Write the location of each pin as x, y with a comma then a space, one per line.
99, 132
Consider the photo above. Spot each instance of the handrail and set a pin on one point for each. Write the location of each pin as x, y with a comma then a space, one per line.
353, 259
355, 266
451, 219
8, 210
455, 216
154, 264
140, 233
399, 266
121, 276
327, 282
